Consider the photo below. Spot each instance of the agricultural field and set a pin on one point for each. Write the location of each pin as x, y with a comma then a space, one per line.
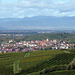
67, 72
6, 62
60, 59
35, 57
58, 65
37, 62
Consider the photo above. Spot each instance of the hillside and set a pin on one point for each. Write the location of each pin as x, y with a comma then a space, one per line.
6, 60
37, 62
62, 36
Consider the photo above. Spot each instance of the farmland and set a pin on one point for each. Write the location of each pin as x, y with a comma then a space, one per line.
6, 60
36, 61
60, 59
70, 72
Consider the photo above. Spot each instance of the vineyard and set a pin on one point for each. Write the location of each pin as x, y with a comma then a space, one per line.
60, 59
6, 60
36, 61
67, 72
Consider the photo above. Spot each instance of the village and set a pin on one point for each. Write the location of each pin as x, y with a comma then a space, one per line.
24, 46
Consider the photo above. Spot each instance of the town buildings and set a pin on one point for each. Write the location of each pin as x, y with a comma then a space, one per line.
24, 46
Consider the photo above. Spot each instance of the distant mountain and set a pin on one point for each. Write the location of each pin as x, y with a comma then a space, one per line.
39, 22
2, 28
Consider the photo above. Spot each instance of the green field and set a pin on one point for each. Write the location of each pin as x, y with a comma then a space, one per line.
67, 72
70, 72
36, 61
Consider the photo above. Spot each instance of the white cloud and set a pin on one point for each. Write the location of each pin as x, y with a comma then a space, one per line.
30, 8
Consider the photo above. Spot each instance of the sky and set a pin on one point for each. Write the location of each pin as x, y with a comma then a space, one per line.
31, 8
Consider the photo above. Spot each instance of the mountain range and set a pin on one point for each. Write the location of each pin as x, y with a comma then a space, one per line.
38, 22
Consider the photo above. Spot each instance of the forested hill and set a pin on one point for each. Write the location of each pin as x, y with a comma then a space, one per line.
61, 36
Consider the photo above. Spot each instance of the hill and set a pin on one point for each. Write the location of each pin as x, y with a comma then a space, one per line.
38, 62
6, 60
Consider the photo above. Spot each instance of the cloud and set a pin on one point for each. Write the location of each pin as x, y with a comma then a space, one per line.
30, 8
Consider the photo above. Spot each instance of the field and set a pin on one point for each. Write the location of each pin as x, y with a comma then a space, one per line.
67, 72
60, 59
70, 72
36, 61
6, 60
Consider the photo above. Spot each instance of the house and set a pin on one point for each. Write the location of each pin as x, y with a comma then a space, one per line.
10, 41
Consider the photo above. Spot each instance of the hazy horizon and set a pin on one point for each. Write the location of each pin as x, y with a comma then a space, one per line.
41, 14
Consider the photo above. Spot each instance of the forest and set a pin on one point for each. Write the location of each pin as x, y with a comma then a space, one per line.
61, 36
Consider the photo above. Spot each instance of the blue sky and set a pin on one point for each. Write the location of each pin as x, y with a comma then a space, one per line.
30, 8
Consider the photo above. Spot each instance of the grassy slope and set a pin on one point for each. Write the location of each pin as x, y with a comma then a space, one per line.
37, 57
67, 72
7, 59
6, 62
63, 72
60, 59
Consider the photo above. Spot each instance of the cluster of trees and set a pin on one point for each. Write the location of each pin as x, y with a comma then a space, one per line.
61, 36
